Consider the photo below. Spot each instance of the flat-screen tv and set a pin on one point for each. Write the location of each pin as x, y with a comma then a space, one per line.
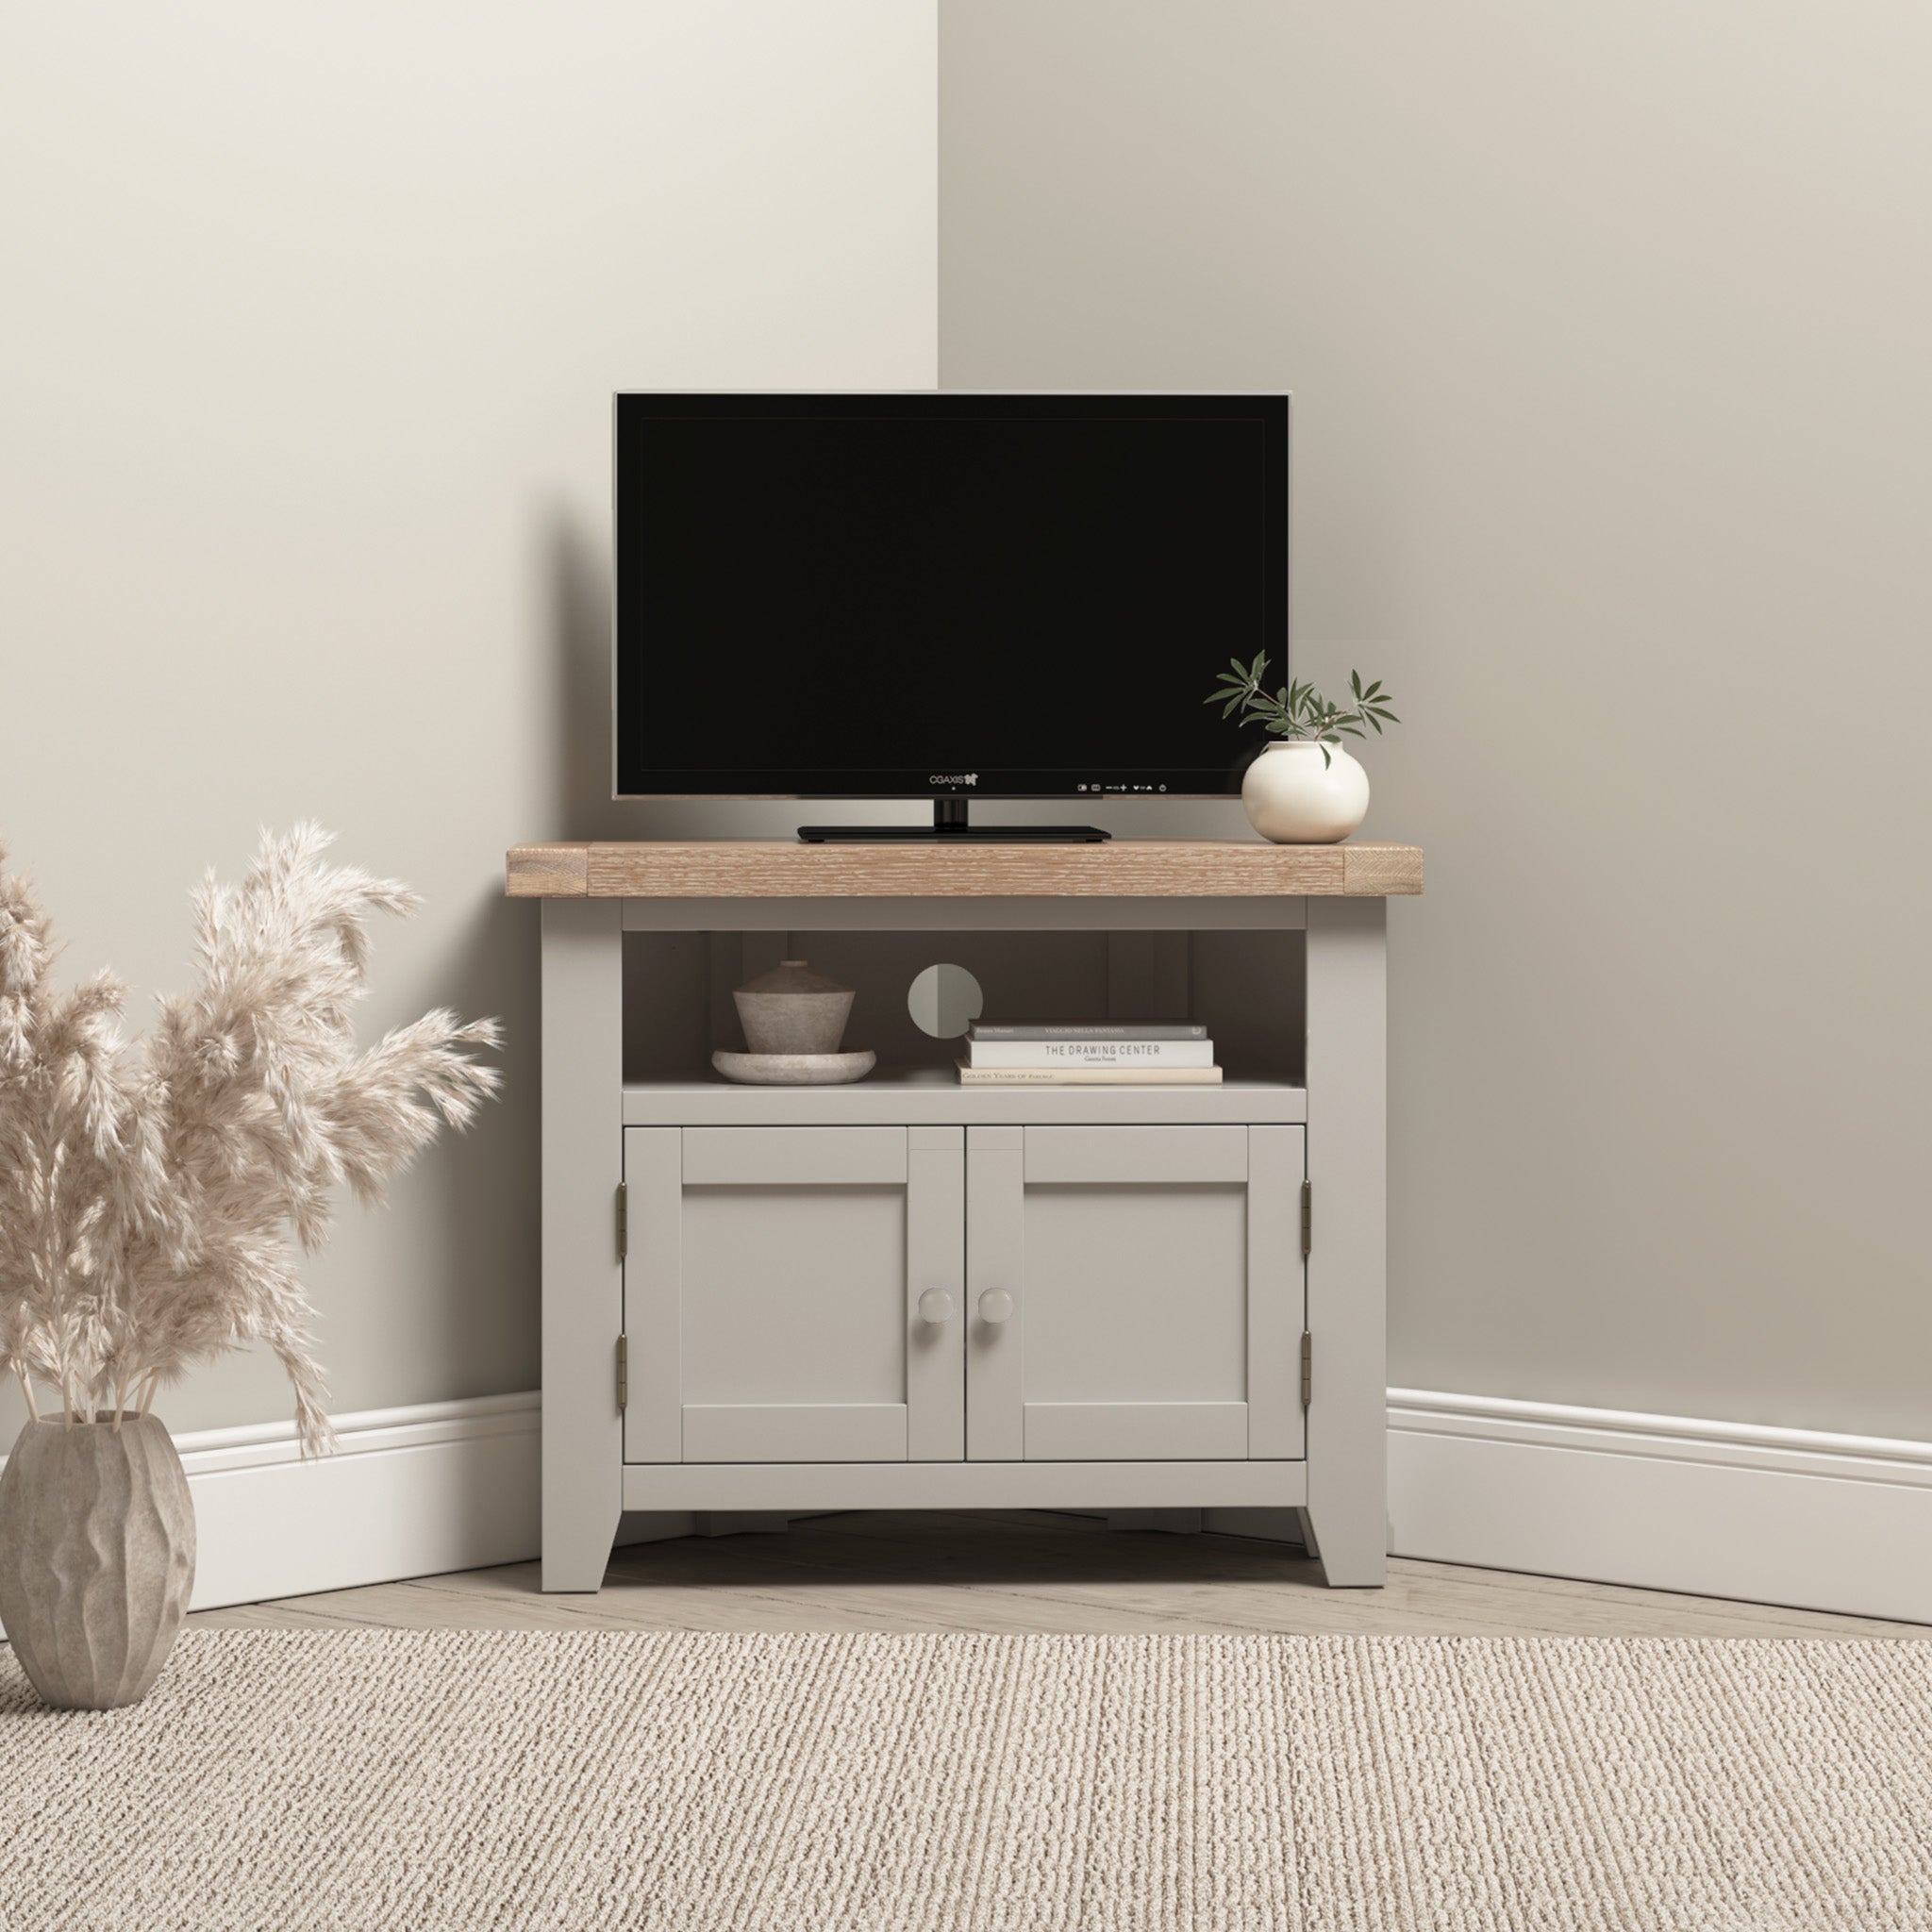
931, 595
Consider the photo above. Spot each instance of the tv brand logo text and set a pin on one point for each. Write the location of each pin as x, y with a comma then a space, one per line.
954, 778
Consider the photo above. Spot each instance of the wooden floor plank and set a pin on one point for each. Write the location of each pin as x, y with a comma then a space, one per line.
1019, 1570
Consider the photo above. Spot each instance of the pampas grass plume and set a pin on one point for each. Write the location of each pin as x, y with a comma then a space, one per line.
150, 1193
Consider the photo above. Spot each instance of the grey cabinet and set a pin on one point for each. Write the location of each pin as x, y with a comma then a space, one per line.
918, 1293
997, 1294
794, 1295
1134, 1293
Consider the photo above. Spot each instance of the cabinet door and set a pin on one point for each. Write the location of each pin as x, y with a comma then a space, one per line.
1134, 1293
773, 1294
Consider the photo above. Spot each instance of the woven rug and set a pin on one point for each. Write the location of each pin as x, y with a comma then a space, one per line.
467, 1779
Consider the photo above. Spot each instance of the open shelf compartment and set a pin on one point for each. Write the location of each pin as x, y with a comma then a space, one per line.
1245, 985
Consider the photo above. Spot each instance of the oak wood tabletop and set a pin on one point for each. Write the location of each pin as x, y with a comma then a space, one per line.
1122, 868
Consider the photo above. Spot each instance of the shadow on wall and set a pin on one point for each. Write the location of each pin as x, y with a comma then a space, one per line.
487, 1237
580, 607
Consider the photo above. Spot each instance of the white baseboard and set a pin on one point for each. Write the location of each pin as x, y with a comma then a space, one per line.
411, 1492
1775, 1516
1778, 1516
415, 1492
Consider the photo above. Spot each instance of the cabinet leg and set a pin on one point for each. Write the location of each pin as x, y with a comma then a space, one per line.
1353, 1547
583, 1281
576, 1549
1347, 1404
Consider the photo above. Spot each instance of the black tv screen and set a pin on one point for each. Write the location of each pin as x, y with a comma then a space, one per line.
912, 596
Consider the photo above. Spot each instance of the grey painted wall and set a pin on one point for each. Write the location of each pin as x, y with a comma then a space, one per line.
1607, 331
313, 321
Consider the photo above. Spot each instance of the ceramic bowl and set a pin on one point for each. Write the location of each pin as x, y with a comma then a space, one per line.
794, 1069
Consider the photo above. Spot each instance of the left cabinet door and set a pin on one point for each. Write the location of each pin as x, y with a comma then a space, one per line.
795, 1294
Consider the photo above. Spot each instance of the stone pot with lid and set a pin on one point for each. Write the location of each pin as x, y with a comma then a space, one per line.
793, 1009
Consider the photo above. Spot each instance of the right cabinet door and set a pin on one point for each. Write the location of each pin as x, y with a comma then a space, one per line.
1133, 1294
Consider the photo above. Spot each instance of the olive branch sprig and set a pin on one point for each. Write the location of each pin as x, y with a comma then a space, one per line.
1298, 711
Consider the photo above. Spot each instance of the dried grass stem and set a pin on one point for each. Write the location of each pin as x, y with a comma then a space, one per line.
152, 1194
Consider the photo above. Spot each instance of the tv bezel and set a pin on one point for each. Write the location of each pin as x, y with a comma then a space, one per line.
1062, 784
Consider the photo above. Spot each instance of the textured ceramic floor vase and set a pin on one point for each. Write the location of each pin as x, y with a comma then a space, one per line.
96, 1558
1294, 798
793, 1009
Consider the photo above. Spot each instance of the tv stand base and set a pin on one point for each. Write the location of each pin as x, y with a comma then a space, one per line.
950, 827
964, 835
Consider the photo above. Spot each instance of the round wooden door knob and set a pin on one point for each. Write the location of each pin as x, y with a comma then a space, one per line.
995, 1306
936, 1306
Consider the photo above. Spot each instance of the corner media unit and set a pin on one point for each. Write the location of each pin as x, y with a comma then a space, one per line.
909, 1294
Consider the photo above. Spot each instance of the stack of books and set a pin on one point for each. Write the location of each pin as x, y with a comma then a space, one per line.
1118, 1052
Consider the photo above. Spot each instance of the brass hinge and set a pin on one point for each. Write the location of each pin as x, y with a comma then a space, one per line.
1307, 1215
1308, 1367
623, 1221
624, 1372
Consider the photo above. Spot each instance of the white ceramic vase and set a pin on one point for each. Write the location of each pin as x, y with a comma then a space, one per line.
1295, 797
